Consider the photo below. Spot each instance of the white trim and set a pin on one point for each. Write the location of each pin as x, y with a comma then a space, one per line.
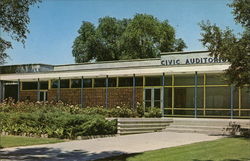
216, 68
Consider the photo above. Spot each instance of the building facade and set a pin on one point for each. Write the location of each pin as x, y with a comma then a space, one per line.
182, 84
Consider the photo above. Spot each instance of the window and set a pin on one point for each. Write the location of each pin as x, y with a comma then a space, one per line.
168, 80
128, 81
29, 85
100, 82
153, 81
184, 97
112, 82
64, 83
44, 85
218, 97
215, 79
54, 83
125, 81
184, 80
33, 85
245, 98
236, 98
188, 80
167, 97
76, 83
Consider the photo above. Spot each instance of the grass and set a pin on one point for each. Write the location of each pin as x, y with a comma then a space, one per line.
13, 141
226, 149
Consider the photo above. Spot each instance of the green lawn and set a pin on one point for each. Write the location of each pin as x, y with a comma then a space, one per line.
12, 141
226, 149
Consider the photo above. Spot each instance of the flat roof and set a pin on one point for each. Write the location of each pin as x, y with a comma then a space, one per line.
26, 65
184, 52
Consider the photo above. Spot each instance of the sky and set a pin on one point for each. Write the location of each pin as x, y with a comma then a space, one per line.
54, 24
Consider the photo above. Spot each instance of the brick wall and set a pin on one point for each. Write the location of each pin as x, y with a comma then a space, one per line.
123, 96
91, 96
71, 96
28, 95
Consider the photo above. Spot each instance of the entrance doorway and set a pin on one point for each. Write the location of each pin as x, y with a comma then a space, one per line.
153, 97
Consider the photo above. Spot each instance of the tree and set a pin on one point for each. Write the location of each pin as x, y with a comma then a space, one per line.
143, 36
13, 20
228, 46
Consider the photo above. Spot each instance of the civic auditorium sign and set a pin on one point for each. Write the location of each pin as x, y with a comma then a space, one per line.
189, 58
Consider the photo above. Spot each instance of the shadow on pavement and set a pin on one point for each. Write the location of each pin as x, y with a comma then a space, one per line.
49, 154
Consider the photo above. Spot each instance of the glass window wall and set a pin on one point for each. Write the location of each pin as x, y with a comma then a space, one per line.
215, 79
245, 100
218, 97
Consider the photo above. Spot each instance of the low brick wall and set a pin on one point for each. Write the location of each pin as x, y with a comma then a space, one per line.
28, 95
91, 96
71, 96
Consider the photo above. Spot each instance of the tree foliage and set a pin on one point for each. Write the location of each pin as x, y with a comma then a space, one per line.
143, 36
229, 46
14, 19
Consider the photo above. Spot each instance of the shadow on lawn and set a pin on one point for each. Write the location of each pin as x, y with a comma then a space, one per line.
241, 159
44, 154
124, 157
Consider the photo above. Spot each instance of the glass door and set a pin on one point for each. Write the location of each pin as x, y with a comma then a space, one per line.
152, 97
157, 97
148, 97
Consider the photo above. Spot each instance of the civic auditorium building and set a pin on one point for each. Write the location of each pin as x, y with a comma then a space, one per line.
182, 84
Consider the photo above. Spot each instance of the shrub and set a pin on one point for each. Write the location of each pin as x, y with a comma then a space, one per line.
57, 124
153, 112
57, 119
122, 112
94, 111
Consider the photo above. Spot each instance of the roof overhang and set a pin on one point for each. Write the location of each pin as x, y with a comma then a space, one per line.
158, 70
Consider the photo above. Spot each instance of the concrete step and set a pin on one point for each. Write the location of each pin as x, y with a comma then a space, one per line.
137, 132
209, 122
142, 125
143, 121
201, 123
141, 128
189, 130
197, 127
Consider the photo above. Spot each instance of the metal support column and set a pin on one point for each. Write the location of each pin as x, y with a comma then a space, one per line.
38, 89
163, 94
106, 96
195, 94
134, 92
81, 99
231, 101
18, 90
59, 89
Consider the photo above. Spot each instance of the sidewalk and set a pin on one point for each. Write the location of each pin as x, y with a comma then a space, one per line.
82, 150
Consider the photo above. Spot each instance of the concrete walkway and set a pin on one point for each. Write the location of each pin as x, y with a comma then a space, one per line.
103, 147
